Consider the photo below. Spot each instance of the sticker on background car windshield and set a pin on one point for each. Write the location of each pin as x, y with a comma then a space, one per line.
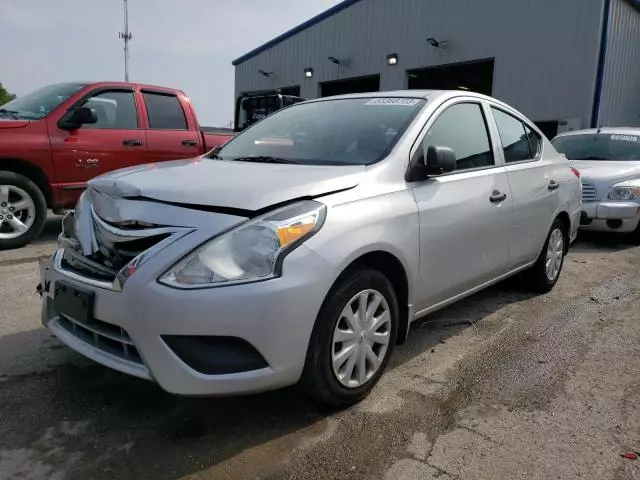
624, 138
403, 102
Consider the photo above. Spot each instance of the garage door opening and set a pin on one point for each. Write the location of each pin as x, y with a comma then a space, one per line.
550, 129
370, 83
476, 76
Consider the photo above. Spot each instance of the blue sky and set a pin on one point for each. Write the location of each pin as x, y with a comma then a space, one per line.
187, 44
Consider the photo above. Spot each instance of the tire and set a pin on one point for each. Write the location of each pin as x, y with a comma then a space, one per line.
16, 189
634, 236
320, 379
537, 278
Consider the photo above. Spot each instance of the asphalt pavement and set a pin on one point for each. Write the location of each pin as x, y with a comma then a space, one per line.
504, 384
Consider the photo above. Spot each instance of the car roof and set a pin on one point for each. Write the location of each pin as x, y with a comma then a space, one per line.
430, 94
603, 130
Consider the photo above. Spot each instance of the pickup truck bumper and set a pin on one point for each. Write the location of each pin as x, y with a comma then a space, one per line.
610, 216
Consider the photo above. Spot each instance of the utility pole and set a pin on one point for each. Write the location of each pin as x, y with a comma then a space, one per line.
126, 37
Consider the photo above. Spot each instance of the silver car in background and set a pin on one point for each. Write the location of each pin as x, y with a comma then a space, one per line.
609, 162
302, 250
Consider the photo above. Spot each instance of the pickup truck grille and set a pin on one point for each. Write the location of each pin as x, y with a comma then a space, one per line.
588, 192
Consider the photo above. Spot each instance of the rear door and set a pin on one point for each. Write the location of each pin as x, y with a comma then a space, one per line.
114, 141
172, 133
465, 216
533, 185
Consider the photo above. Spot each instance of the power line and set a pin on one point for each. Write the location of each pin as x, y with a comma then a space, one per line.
126, 38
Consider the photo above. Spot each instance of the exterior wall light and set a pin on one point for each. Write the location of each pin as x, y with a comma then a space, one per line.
308, 72
392, 59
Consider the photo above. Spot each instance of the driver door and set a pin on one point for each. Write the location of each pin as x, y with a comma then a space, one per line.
114, 141
465, 215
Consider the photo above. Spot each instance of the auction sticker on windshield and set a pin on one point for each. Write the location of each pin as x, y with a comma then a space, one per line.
402, 102
624, 138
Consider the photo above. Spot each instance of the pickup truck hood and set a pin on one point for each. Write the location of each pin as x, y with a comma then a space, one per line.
11, 123
226, 184
607, 171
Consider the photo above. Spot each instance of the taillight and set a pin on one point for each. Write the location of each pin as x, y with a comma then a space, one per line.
575, 171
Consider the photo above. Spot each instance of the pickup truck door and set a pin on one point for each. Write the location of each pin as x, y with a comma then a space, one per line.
114, 141
171, 128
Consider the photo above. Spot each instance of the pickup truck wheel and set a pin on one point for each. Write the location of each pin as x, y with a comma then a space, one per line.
543, 276
352, 339
23, 210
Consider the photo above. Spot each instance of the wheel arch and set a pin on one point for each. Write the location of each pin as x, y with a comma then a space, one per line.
565, 219
32, 172
391, 267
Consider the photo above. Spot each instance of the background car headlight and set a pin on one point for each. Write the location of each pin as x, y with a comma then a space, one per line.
252, 251
624, 193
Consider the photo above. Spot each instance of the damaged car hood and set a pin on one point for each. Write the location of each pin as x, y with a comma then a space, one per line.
226, 184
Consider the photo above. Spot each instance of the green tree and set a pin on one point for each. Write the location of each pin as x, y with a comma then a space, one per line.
5, 96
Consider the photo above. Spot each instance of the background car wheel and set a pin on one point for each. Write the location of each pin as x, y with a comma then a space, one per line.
546, 271
23, 210
352, 339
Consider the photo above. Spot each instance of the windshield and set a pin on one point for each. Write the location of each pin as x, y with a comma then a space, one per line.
599, 146
40, 103
357, 131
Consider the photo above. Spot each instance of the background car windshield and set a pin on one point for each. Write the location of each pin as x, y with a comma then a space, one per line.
599, 146
41, 102
357, 131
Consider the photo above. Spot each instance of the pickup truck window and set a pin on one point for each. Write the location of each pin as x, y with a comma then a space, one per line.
114, 109
41, 102
165, 111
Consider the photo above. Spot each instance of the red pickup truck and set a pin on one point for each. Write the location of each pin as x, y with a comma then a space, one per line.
53, 140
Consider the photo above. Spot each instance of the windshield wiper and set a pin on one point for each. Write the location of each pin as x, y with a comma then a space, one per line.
263, 159
591, 158
12, 113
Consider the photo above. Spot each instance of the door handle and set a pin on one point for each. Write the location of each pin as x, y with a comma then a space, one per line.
189, 143
497, 197
553, 185
132, 143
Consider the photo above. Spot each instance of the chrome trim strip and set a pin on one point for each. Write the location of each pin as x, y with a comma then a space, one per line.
57, 266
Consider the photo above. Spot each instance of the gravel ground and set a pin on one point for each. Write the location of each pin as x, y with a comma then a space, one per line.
501, 385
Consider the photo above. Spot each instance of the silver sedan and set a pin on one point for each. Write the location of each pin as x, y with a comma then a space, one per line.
609, 161
302, 250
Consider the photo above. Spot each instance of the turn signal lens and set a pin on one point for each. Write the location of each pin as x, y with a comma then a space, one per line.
575, 171
291, 233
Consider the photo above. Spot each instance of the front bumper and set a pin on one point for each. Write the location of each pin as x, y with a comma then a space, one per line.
275, 317
610, 216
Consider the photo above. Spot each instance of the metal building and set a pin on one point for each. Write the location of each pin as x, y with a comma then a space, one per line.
567, 64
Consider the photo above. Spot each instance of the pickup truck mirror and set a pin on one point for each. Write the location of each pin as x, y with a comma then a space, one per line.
77, 117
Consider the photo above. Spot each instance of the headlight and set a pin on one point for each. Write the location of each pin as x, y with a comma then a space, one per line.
624, 193
253, 251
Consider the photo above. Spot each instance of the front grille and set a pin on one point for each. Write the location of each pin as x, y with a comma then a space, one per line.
113, 248
588, 192
103, 336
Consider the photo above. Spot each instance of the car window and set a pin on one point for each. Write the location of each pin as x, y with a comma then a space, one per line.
514, 137
599, 146
535, 141
463, 129
165, 111
114, 110
353, 131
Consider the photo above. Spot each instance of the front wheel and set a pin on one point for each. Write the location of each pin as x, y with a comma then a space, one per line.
545, 273
352, 339
23, 210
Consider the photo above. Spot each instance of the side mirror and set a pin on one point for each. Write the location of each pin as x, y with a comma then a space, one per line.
78, 117
440, 160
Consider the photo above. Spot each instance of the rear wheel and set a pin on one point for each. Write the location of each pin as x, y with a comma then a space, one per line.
545, 273
23, 210
352, 339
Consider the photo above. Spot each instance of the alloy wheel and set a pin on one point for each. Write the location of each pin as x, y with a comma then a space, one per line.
555, 253
17, 212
